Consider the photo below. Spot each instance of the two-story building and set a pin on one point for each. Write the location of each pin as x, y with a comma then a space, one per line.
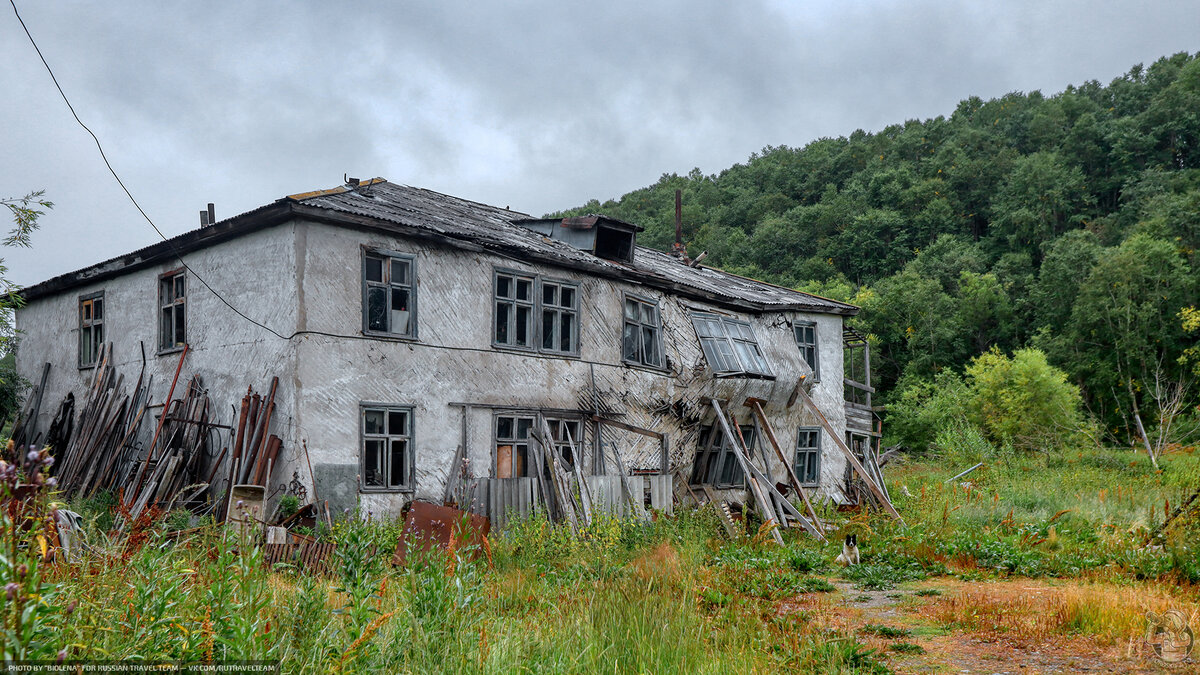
419, 336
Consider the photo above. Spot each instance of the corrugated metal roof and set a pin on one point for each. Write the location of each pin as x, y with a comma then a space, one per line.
457, 220
493, 227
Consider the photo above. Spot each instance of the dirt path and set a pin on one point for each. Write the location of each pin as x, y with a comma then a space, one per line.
907, 627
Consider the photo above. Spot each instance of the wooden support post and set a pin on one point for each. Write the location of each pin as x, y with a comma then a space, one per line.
875, 489
562, 487
756, 405
768, 512
585, 498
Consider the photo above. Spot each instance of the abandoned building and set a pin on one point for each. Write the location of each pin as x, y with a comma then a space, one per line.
425, 344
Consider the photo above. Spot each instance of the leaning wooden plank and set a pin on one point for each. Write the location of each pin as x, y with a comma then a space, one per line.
162, 419
635, 501
585, 499
756, 405
841, 445
770, 520
562, 489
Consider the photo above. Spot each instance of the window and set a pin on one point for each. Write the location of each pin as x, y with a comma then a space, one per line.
515, 432
389, 296
560, 317
716, 463
91, 328
808, 455
806, 339
387, 456
172, 302
513, 458
521, 297
729, 346
641, 341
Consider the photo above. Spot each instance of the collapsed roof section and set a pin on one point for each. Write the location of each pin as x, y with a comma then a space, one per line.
595, 244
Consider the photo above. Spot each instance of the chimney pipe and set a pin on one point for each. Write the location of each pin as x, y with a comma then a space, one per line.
679, 250
212, 214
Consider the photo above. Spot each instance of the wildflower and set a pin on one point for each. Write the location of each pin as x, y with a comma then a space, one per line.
62, 655
71, 607
240, 503
22, 570
11, 590
32, 456
52, 482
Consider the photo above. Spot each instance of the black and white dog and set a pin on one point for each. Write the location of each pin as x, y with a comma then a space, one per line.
849, 555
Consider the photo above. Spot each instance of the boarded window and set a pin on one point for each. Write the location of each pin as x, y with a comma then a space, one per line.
515, 432
519, 298
730, 346
806, 340
716, 463
172, 317
389, 294
641, 339
808, 455
387, 456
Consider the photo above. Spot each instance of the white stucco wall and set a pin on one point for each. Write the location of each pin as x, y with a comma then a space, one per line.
256, 273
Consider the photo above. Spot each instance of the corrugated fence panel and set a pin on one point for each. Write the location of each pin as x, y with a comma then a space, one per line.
661, 492
510, 498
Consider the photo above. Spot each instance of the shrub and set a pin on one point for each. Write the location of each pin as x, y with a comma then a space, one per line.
1022, 400
925, 407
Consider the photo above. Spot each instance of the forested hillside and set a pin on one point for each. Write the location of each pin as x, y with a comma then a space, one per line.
1069, 223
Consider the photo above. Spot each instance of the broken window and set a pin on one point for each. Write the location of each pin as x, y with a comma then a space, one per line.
521, 297
389, 293
716, 462
516, 432
172, 302
806, 339
808, 455
641, 340
513, 457
91, 328
730, 346
387, 457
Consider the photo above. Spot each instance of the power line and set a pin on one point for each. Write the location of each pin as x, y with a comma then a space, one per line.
129, 194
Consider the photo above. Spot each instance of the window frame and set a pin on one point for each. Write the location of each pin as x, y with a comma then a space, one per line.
641, 326
178, 305
724, 454
90, 326
387, 283
556, 422
802, 324
716, 358
537, 309
810, 451
410, 458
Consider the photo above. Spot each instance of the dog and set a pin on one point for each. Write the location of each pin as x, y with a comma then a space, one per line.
849, 555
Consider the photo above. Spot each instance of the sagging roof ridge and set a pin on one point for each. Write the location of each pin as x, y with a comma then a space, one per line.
460, 223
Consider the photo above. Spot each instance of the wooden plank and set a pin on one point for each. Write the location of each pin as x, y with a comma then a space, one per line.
769, 432
768, 512
562, 487
841, 445
585, 499
635, 501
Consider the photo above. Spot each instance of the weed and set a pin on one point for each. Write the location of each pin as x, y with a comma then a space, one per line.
885, 631
907, 648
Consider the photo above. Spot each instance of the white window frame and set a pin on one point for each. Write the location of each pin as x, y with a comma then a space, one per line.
714, 451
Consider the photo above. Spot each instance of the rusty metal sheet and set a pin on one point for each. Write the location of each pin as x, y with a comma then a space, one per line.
305, 554
428, 526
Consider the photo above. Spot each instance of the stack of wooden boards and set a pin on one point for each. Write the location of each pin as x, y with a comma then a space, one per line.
99, 449
100, 454
255, 449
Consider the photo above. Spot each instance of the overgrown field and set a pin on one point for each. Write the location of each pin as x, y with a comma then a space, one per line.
672, 595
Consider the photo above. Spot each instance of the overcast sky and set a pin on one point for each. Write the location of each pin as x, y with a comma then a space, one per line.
537, 106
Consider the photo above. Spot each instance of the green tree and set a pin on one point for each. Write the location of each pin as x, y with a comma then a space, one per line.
1022, 400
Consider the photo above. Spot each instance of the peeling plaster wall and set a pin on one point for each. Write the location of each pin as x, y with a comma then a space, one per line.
256, 273
453, 362
306, 277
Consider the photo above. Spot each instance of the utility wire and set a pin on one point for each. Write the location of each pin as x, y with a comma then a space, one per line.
129, 194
